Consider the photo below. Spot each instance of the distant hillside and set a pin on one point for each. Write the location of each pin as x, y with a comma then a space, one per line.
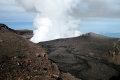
24, 33
86, 57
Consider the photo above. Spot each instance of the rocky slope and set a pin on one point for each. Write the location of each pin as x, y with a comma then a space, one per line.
21, 59
86, 57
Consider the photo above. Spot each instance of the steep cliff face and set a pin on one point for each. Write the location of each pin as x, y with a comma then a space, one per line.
21, 59
86, 56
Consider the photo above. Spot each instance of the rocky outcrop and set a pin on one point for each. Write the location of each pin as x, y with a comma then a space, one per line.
86, 57
115, 53
21, 59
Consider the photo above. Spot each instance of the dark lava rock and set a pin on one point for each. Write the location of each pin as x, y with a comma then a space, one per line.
86, 57
21, 59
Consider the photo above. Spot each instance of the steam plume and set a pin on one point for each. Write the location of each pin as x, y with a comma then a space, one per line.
53, 19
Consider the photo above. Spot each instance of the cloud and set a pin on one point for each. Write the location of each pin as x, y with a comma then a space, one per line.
9, 9
98, 9
11, 12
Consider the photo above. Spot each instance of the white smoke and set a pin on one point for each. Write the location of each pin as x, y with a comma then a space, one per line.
53, 18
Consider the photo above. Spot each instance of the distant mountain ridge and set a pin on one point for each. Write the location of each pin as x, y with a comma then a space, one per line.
29, 33
24, 33
3, 27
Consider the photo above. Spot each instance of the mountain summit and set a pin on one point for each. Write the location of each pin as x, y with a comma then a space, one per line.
95, 35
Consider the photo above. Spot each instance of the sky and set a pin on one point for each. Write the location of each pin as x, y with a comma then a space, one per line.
99, 16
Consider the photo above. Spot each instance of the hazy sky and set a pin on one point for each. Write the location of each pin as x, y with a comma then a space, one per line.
96, 15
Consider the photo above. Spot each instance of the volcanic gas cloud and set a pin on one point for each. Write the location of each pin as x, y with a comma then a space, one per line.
53, 19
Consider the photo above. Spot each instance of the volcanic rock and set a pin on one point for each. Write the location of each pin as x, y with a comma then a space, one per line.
86, 57
18, 59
